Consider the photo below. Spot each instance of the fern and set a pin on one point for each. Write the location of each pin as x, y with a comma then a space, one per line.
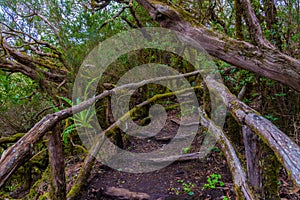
67, 131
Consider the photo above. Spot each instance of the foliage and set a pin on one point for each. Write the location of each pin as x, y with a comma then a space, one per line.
54, 37
213, 181
15, 89
187, 187
82, 119
186, 149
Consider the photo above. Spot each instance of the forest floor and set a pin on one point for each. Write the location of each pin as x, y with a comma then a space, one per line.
180, 180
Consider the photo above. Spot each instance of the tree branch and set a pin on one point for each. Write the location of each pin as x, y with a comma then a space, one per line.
287, 151
265, 61
256, 33
21, 151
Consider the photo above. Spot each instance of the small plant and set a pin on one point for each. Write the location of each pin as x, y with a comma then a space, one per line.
177, 192
271, 118
82, 119
280, 94
216, 149
213, 181
225, 198
187, 187
186, 150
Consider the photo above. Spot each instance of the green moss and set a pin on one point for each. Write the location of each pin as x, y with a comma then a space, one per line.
40, 185
270, 167
45, 196
239, 193
74, 190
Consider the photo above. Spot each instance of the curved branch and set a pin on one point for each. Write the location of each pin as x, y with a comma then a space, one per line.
239, 175
22, 150
265, 61
287, 151
256, 33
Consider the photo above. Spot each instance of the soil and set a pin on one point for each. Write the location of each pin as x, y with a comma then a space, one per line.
178, 181
168, 182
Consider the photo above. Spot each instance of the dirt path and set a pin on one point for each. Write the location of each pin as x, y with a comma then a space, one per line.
180, 180
168, 183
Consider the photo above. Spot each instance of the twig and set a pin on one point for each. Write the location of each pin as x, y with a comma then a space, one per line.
114, 17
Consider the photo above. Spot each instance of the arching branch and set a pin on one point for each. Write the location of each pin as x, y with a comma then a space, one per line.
265, 60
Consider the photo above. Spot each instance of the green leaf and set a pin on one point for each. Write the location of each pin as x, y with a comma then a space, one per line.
69, 101
67, 131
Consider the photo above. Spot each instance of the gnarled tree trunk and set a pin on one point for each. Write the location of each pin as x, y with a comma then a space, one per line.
263, 59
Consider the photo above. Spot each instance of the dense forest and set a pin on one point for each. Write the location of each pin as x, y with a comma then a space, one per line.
144, 99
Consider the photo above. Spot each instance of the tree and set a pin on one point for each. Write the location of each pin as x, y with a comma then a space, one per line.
47, 41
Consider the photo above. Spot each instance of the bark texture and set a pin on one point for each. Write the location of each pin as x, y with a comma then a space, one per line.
57, 166
286, 150
253, 157
263, 59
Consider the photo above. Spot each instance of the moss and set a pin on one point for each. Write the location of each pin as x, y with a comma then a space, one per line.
74, 190
12, 138
172, 107
270, 167
40, 187
234, 130
45, 196
172, 9
239, 193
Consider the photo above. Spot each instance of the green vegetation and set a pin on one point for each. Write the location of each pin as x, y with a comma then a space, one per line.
186, 150
187, 187
43, 43
213, 181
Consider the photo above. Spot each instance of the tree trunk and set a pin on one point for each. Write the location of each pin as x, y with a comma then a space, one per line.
265, 60
57, 166
253, 156
272, 22
238, 20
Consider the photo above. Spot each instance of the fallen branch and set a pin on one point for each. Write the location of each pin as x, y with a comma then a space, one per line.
22, 150
266, 61
183, 157
287, 151
121, 193
238, 174
90, 159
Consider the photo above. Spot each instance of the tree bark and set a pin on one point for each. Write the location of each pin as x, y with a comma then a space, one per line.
21, 151
254, 28
286, 151
272, 22
57, 166
264, 60
253, 156
238, 20
121, 193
